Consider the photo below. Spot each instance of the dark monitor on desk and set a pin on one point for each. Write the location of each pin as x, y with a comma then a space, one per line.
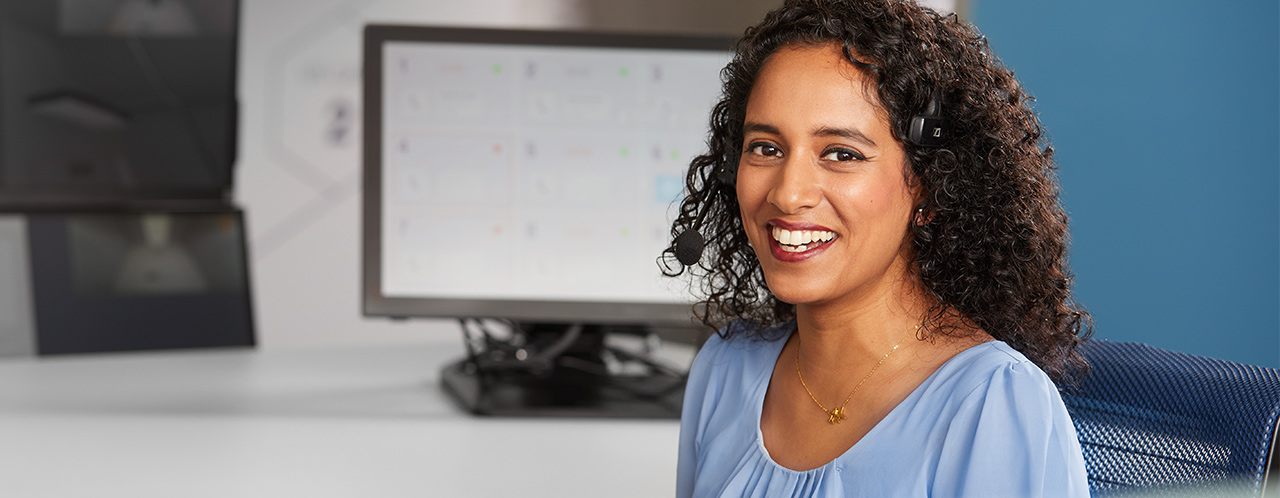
530, 176
116, 101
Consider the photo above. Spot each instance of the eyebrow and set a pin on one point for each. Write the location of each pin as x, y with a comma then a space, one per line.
825, 131
752, 127
849, 133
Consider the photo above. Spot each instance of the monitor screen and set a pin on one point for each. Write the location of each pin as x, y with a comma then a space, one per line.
529, 175
116, 100
114, 280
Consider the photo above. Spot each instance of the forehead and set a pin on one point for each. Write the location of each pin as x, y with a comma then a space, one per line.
814, 80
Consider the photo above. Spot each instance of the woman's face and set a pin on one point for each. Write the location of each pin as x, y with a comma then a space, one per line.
820, 184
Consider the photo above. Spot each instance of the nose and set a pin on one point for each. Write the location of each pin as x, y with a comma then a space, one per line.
795, 186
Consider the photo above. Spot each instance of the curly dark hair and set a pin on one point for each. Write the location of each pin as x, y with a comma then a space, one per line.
992, 252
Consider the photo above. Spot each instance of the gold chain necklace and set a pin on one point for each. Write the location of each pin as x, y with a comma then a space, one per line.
836, 415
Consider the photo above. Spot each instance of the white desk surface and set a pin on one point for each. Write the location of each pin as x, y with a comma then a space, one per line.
367, 421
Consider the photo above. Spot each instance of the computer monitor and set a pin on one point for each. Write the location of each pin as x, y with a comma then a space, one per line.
94, 281
530, 176
117, 102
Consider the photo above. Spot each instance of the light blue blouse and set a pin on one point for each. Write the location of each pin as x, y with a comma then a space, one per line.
988, 423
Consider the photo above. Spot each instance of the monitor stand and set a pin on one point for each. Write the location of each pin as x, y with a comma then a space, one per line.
562, 370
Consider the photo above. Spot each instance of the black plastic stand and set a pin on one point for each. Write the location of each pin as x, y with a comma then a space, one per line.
573, 381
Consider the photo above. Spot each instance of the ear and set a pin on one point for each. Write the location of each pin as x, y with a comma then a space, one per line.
922, 215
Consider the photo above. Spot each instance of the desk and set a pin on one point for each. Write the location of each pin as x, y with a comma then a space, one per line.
366, 421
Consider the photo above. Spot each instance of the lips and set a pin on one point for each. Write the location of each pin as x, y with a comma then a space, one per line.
796, 242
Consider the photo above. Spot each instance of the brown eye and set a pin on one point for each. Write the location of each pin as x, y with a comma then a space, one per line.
843, 155
764, 149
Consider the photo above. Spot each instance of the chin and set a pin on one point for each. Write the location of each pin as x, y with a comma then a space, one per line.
792, 295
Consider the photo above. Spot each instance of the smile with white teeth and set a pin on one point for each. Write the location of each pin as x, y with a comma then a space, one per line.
801, 240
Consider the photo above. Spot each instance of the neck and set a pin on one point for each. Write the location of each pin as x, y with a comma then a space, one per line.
842, 340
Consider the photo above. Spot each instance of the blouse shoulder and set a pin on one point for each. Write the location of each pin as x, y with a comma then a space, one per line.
992, 364
1008, 410
726, 380
738, 343
729, 356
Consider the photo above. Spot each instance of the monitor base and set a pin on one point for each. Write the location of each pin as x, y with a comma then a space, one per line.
564, 394
574, 382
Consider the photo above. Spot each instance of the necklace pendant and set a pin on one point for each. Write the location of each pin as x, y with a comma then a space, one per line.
836, 415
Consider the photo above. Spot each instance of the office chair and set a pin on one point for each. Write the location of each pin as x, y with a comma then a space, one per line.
1155, 422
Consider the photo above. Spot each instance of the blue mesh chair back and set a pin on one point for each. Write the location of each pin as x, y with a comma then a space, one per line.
1156, 422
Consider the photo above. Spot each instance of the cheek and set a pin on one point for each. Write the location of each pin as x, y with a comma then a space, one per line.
745, 185
751, 195
877, 203
880, 201
890, 203
751, 192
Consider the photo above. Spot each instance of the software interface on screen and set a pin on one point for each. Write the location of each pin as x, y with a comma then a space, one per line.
537, 172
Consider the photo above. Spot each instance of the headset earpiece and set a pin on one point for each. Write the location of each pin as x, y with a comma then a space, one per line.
930, 129
727, 175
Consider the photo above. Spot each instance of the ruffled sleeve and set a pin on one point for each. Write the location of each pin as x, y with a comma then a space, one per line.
1011, 437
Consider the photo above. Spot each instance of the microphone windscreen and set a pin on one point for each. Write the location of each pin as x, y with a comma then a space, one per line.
688, 247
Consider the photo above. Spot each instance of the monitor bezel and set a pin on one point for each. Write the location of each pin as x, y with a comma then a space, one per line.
377, 304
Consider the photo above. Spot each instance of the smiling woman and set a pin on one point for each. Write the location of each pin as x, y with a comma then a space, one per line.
892, 310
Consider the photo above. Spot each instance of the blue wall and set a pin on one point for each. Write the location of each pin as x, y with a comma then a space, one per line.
1165, 116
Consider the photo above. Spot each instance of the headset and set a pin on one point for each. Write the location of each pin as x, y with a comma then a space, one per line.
928, 129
